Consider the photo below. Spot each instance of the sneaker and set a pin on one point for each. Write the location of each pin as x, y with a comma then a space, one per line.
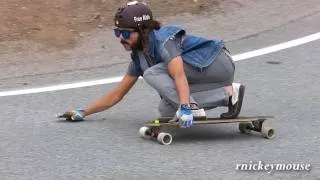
235, 102
197, 112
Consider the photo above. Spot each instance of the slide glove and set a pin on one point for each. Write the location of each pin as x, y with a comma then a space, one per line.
75, 115
184, 116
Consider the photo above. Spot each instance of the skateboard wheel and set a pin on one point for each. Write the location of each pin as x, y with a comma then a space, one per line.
267, 131
245, 127
143, 132
164, 138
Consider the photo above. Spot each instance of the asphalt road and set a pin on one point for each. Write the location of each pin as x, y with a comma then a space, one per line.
34, 145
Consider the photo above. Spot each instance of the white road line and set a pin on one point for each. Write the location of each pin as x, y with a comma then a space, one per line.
277, 47
237, 57
61, 87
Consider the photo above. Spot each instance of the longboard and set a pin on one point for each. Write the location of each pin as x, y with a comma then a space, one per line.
246, 125
167, 121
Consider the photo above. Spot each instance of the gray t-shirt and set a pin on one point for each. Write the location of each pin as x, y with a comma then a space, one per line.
172, 49
132, 70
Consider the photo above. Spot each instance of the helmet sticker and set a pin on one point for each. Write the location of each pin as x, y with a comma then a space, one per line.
144, 17
132, 3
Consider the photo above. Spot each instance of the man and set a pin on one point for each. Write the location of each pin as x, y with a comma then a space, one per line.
190, 73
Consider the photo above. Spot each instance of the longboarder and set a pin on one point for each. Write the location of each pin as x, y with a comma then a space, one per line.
189, 72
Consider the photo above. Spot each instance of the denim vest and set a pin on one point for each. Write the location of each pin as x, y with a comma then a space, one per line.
197, 51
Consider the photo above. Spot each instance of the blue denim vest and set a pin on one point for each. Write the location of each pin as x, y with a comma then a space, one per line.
197, 51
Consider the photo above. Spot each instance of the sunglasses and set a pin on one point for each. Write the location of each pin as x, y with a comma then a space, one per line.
125, 33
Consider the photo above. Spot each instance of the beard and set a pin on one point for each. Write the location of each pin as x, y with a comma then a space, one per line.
132, 46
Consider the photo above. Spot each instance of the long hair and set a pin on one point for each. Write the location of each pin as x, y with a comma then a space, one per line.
144, 32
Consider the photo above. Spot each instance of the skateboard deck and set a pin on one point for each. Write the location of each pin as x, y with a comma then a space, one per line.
155, 129
167, 121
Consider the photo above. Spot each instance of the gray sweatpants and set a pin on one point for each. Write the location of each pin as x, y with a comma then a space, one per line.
206, 86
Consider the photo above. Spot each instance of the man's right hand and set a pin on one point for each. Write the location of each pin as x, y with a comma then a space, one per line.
75, 115
184, 116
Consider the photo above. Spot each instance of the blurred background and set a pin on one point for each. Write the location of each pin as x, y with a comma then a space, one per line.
58, 22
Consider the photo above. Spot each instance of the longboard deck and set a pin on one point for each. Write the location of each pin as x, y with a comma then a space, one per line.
156, 129
167, 121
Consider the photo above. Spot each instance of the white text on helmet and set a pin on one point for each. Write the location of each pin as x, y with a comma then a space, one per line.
142, 18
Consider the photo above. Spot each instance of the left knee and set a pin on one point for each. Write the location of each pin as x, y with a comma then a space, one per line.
166, 110
150, 75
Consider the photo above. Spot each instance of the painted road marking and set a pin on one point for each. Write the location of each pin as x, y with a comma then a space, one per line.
238, 57
278, 47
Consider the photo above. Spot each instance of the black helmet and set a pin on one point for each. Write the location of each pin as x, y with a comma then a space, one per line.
133, 15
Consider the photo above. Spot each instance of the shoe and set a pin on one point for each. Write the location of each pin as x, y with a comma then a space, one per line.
235, 102
197, 112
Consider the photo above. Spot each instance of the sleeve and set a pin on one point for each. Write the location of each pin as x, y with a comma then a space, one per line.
132, 71
172, 48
